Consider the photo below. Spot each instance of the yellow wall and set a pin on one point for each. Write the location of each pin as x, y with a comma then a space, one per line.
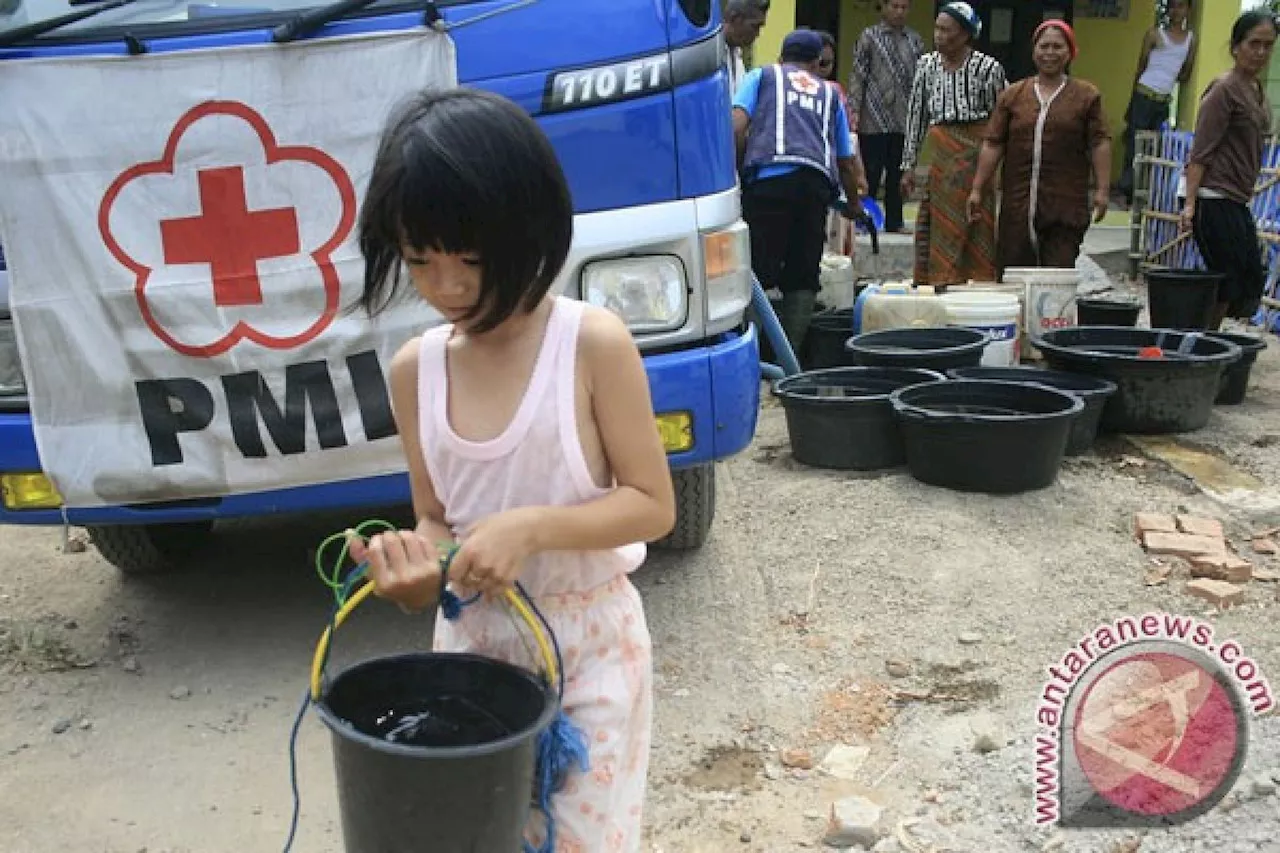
1213, 56
1108, 59
781, 20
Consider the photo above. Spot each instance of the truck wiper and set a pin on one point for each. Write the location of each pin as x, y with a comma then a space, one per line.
18, 35
309, 22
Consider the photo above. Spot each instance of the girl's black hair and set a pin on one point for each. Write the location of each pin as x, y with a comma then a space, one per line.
1246, 22
467, 171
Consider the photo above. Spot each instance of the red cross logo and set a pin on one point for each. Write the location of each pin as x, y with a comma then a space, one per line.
231, 238
804, 82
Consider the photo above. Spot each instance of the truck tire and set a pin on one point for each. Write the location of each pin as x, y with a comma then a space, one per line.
695, 508
149, 549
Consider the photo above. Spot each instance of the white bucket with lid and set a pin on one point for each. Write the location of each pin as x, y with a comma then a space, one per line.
1050, 301
996, 314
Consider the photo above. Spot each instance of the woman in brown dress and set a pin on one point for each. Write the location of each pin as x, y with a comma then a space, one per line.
1051, 133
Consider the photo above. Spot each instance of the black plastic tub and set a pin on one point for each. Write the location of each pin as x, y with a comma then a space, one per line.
1107, 312
467, 768
976, 435
1170, 394
927, 348
1093, 390
841, 418
1182, 299
1235, 379
824, 344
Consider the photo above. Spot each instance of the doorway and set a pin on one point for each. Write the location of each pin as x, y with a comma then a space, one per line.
1007, 27
821, 15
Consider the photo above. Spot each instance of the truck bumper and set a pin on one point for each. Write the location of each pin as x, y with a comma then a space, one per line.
706, 398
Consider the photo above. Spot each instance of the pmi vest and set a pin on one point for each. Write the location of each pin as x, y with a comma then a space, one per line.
794, 122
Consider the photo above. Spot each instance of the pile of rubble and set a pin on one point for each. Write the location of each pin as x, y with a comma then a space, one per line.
1219, 574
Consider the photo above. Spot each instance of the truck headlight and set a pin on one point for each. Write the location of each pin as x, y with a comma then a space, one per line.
649, 293
12, 382
727, 260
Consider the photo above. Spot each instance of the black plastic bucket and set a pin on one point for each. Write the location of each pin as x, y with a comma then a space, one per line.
983, 436
1182, 299
1235, 379
824, 344
1107, 312
467, 782
1094, 390
924, 348
841, 418
1174, 393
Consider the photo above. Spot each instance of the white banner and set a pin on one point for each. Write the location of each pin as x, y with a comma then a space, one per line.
180, 234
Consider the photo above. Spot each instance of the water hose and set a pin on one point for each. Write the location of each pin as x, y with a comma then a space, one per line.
777, 338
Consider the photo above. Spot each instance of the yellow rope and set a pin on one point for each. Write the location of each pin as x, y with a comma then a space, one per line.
513, 598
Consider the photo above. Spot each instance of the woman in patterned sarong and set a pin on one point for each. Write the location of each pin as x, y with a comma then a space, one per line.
953, 96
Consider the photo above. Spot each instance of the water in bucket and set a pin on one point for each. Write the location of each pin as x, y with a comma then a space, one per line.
435, 721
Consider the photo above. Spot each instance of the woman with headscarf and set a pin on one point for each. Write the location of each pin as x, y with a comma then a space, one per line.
1052, 135
953, 96
1222, 171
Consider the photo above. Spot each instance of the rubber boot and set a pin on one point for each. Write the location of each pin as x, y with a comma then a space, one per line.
797, 311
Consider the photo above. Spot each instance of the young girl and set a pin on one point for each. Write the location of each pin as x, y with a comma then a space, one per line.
528, 429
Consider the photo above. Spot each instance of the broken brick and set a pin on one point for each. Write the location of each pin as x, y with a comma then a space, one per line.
1266, 546
1182, 544
1219, 593
797, 759
1154, 522
1199, 526
1222, 567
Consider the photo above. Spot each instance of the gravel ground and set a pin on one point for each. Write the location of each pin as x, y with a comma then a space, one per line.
828, 609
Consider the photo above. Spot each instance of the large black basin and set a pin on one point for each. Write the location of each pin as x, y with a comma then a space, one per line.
1169, 393
1094, 390
926, 347
841, 418
1235, 380
985, 436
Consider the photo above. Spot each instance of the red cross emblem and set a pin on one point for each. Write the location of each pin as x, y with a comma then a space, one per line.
804, 82
230, 238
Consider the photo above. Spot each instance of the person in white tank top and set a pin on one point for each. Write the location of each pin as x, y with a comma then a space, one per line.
1167, 56
529, 434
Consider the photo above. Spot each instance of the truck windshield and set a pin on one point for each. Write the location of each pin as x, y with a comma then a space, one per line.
175, 17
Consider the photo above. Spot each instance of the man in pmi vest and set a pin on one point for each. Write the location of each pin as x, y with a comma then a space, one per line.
795, 151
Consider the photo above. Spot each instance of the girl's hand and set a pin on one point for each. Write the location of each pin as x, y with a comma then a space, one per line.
493, 552
908, 185
404, 567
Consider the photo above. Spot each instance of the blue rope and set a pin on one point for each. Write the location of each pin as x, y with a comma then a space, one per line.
561, 746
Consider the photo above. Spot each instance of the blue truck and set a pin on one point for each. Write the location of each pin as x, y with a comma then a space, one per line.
634, 95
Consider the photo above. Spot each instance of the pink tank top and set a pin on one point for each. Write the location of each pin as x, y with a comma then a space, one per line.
536, 461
